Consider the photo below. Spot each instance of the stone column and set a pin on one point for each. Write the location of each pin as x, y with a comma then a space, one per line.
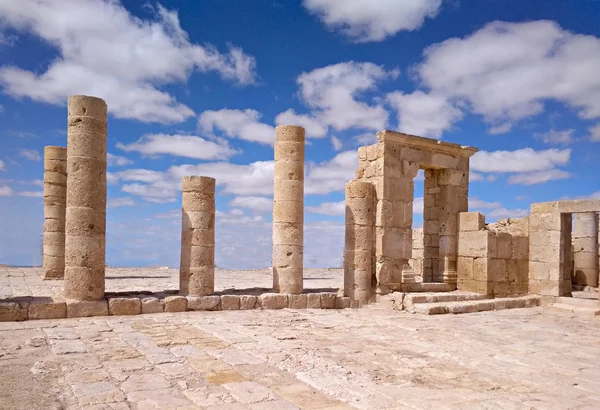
431, 227
197, 265
288, 210
359, 241
585, 247
55, 200
85, 241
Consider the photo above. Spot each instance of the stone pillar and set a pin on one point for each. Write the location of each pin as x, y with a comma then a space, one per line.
85, 241
431, 227
359, 249
585, 246
197, 266
288, 210
55, 200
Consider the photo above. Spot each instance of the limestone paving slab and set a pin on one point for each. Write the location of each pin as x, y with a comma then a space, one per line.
371, 358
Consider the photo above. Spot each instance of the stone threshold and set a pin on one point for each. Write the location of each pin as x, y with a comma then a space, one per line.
135, 303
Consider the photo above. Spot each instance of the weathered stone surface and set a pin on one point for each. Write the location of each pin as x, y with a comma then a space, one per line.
313, 300
328, 300
230, 302
273, 301
124, 306
175, 304
152, 305
13, 310
87, 308
342, 302
297, 301
248, 302
203, 303
471, 221
46, 308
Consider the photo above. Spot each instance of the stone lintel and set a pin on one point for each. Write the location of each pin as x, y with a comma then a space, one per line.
567, 207
429, 144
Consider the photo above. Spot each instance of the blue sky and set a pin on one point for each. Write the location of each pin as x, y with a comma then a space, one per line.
196, 87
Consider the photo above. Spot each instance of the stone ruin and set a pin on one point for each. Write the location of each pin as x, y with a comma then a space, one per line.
546, 254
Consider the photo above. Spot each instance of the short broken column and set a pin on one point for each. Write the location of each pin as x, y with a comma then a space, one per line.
197, 264
288, 210
359, 241
85, 240
55, 200
585, 248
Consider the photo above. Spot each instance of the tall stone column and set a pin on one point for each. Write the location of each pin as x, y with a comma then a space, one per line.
585, 248
359, 242
288, 210
55, 200
85, 241
197, 265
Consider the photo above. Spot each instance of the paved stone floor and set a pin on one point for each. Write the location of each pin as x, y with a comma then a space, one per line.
370, 358
28, 281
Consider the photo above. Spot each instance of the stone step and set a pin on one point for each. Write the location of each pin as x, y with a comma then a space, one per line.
434, 297
579, 311
477, 305
578, 302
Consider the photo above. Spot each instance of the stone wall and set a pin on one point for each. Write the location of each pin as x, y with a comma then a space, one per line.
493, 259
418, 253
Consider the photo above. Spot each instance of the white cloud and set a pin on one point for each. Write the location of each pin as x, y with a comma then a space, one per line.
31, 194
256, 203
5, 190
242, 124
331, 176
30, 154
337, 144
494, 210
366, 139
426, 115
476, 203
553, 136
373, 20
538, 177
189, 146
328, 208
331, 92
115, 160
121, 201
502, 213
107, 52
595, 132
505, 71
418, 205
500, 128
521, 160
475, 176
2, 166
312, 127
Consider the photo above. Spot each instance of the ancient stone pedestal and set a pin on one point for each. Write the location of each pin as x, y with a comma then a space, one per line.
85, 229
197, 265
55, 199
585, 248
288, 209
359, 243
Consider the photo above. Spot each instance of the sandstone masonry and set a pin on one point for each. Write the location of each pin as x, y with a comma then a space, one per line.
55, 199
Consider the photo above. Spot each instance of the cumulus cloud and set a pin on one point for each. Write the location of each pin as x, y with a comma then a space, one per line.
314, 129
105, 51
336, 143
30, 154
332, 92
556, 137
538, 177
328, 208
372, 20
242, 124
120, 201
521, 160
5, 190
189, 146
495, 210
256, 203
331, 176
595, 132
505, 71
31, 194
426, 115
115, 160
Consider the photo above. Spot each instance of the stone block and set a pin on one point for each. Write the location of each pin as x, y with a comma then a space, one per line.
273, 300
313, 301
393, 243
175, 304
504, 245
12, 310
297, 301
230, 302
520, 247
47, 308
203, 302
544, 207
480, 269
544, 222
87, 308
342, 302
152, 305
124, 306
464, 267
328, 300
477, 244
248, 302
